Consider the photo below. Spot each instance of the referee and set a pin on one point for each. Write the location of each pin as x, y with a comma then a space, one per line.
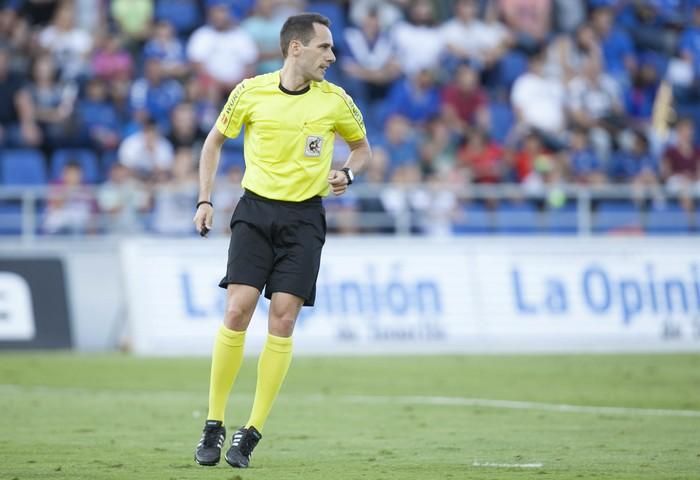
278, 228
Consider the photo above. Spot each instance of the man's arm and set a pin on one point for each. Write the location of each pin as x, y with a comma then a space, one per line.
208, 163
360, 154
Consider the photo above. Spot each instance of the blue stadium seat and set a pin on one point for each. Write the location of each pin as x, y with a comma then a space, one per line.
517, 218
562, 220
669, 219
513, 64
617, 216
10, 218
475, 219
502, 120
87, 159
23, 167
183, 15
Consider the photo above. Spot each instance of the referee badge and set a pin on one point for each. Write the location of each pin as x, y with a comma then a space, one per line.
313, 146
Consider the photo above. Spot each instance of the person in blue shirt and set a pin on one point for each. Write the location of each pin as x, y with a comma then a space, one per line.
585, 165
618, 49
638, 165
416, 98
154, 95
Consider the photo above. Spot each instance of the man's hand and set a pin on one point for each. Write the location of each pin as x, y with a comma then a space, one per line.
338, 182
204, 218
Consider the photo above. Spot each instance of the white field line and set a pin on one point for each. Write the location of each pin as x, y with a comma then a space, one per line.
507, 465
519, 405
364, 400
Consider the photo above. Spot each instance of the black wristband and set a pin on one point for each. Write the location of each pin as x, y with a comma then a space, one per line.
203, 202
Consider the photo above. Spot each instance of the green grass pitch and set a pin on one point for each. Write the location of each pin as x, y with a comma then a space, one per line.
68, 416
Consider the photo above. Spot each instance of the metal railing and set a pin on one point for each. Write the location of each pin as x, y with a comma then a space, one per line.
377, 208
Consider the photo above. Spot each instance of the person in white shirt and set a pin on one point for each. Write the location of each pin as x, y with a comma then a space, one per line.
538, 101
419, 43
222, 50
147, 153
69, 45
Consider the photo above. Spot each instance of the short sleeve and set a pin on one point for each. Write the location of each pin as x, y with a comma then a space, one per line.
349, 123
234, 113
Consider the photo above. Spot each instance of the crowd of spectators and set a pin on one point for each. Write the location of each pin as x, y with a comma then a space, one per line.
540, 93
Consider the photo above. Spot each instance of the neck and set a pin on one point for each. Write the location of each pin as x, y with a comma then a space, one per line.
291, 79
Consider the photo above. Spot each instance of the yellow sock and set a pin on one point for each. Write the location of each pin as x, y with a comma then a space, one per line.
226, 360
272, 368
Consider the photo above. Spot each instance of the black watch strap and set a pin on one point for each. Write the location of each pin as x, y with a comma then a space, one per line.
202, 202
346, 171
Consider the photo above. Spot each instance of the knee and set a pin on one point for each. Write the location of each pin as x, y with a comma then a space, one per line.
282, 324
237, 317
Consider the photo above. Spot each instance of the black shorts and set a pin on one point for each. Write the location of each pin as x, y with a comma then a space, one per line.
276, 245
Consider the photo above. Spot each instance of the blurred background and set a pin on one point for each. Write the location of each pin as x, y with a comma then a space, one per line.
534, 182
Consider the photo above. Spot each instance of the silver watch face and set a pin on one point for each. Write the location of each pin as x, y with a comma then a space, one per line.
351, 175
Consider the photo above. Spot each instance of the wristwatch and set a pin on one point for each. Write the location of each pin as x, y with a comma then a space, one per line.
349, 174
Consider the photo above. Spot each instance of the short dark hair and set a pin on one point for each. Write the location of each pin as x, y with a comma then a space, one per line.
300, 27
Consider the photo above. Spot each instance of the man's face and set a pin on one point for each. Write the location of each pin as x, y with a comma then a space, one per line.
316, 57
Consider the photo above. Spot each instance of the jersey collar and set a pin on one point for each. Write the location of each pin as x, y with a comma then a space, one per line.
294, 92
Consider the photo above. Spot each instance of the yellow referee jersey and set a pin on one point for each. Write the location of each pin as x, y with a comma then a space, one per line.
288, 142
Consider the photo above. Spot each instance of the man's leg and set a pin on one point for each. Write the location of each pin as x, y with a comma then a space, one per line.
276, 356
272, 369
227, 357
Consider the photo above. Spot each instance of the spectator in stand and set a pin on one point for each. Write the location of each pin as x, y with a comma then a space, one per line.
399, 142
650, 26
388, 13
618, 50
639, 166
97, 117
467, 37
154, 95
533, 163
567, 54
175, 196
368, 64
166, 47
221, 39
464, 102
123, 200
71, 207
185, 132
110, 60
16, 37
134, 19
568, 15
264, 28
585, 166
147, 154
419, 42
680, 163
639, 100
69, 45
595, 104
206, 102
539, 103
529, 20
482, 158
18, 126
54, 104
438, 148
689, 46
416, 97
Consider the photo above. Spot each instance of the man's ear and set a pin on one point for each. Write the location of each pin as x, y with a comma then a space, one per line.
295, 47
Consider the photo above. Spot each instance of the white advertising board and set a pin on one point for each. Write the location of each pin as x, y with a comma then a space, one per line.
388, 295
